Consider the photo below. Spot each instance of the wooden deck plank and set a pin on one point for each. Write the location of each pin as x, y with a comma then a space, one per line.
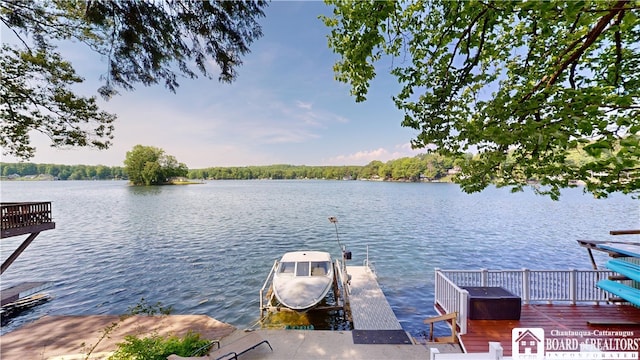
551, 317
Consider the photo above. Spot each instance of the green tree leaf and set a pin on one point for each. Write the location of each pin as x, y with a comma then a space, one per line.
143, 42
149, 165
518, 84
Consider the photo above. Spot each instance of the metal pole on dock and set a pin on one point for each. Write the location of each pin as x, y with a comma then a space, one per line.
334, 220
346, 255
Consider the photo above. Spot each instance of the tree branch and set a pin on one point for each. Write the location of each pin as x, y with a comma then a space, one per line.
466, 32
534, 40
618, 41
591, 37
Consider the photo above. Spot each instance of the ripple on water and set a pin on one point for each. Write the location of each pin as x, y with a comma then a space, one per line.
207, 249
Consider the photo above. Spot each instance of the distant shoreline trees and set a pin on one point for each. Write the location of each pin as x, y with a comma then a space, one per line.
25, 171
425, 167
420, 168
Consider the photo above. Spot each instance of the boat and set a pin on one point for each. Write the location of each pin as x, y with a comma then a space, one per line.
303, 279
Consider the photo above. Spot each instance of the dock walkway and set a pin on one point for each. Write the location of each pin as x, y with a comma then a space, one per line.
370, 309
23, 290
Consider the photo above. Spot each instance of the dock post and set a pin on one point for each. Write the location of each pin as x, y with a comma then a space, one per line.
336, 290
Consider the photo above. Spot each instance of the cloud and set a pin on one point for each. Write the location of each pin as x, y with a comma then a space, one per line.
269, 120
341, 119
284, 108
381, 154
303, 105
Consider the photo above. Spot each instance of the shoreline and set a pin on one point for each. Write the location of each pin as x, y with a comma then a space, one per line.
73, 336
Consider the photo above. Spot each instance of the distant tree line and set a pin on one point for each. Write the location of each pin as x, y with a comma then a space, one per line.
63, 172
421, 167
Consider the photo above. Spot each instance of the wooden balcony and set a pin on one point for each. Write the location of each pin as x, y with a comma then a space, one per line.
25, 218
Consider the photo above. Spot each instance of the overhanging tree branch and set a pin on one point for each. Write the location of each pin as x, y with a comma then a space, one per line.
590, 38
593, 43
143, 41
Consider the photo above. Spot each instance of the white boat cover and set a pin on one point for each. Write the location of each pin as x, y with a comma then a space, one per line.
303, 279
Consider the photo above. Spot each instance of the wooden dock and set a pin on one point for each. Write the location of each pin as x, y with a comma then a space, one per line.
19, 298
23, 290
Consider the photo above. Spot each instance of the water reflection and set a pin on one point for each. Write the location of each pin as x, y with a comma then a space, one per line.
145, 190
309, 320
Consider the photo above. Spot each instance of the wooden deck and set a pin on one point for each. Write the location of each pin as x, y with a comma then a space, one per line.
552, 318
25, 218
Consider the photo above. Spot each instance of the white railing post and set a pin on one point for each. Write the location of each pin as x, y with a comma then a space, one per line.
436, 271
573, 286
438, 290
367, 256
525, 286
463, 309
432, 353
264, 286
484, 277
495, 350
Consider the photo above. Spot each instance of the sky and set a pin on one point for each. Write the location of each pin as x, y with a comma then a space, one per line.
285, 107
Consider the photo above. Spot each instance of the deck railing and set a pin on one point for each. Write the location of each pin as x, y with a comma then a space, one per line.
16, 215
25, 217
451, 298
532, 286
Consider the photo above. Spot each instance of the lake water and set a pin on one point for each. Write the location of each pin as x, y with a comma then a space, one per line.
207, 248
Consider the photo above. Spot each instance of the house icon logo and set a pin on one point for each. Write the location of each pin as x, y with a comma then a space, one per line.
527, 344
